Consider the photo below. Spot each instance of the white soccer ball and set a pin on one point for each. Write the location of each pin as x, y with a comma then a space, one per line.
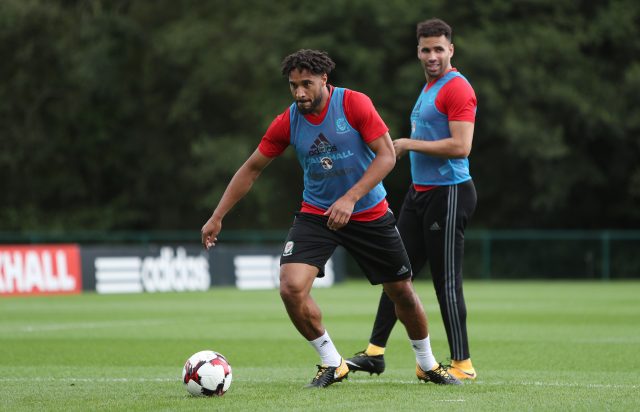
207, 373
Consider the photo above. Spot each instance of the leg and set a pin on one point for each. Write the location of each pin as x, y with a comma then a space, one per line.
410, 230
408, 308
452, 209
385, 321
296, 280
308, 246
411, 314
380, 252
408, 225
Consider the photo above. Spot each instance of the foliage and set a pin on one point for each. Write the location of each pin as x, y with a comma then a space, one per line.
134, 115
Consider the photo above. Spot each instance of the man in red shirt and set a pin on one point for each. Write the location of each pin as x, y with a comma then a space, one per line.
345, 151
440, 200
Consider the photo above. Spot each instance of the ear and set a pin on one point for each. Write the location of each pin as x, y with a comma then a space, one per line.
451, 48
324, 78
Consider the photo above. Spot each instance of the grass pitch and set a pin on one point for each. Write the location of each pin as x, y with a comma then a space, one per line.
536, 346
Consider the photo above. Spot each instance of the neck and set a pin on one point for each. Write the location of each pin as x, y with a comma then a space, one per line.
434, 78
323, 102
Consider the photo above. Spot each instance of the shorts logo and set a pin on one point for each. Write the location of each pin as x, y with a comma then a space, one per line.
402, 270
288, 249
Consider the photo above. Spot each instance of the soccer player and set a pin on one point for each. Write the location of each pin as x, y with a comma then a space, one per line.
440, 200
345, 151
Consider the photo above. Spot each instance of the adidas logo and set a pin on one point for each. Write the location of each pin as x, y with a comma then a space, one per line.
322, 145
324, 343
435, 226
402, 270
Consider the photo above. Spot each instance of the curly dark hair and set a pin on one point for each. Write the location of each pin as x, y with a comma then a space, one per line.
433, 28
316, 61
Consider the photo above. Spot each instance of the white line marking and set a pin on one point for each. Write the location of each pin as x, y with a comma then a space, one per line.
36, 379
358, 382
505, 383
86, 325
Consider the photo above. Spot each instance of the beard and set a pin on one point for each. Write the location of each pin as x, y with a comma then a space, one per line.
314, 104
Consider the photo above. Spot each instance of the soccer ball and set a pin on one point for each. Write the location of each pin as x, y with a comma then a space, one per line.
207, 373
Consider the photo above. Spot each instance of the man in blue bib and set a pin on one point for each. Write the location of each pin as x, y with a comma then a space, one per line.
440, 200
345, 151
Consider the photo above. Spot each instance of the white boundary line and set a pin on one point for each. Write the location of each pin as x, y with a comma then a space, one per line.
52, 327
359, 382
108, 380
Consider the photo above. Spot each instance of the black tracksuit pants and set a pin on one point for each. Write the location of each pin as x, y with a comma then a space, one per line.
432, 226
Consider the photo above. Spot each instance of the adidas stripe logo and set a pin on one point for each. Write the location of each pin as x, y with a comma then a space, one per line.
402, 270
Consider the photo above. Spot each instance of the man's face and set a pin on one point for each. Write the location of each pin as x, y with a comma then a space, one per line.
307, 90
435, 55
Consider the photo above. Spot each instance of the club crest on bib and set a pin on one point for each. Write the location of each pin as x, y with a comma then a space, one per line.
341, 125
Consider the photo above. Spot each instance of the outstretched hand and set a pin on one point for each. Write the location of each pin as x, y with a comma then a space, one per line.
209, 232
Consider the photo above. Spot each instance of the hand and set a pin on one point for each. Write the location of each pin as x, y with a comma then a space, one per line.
339, 213
209, 232
401, 146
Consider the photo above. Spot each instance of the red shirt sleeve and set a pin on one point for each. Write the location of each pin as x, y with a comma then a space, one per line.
457, 100
277, 137
362, 115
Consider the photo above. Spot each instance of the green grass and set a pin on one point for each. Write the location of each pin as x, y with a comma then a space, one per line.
536, 346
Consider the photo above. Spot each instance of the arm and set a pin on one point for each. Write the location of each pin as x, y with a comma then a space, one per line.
340, 211
237, 188
454, 147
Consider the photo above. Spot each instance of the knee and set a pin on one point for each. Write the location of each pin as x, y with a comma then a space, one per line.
402, 294
296, 281
290, 292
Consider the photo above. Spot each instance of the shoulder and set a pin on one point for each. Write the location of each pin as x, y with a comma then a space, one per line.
281, 121
363, 116
459, 85
357, 103
355, 98
456, 92
457, 100
277, 136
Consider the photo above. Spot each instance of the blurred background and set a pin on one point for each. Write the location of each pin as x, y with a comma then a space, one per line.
131, 117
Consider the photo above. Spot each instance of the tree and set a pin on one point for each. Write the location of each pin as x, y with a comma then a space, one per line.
135, 115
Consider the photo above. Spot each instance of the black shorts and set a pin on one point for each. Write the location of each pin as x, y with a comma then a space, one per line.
376, 246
